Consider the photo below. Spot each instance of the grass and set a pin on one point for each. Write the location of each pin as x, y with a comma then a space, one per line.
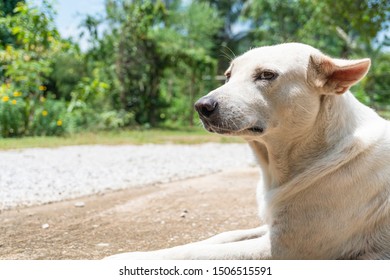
135, 137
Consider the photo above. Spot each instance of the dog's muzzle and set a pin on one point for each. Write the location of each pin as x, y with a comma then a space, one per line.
208, 110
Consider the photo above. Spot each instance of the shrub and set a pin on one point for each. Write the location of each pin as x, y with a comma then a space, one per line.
48, 117
12, 112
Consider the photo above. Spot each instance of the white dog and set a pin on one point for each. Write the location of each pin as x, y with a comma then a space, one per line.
325, 159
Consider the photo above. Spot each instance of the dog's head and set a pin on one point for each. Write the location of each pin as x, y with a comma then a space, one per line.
275, 87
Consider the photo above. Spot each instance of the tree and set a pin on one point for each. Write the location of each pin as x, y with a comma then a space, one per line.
26, 67
340, 28
153, 39
7, 8
231, 35
201, 23
139, 64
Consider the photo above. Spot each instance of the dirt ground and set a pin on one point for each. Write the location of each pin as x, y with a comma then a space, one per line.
140, 219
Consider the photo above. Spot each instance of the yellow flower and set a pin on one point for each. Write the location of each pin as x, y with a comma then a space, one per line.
13, 102
5, 98
42, 99
59, 123
43, 88
17, 93
44, 113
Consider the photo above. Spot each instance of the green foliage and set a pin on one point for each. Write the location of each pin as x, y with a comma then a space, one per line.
48, 118
152, 59
33, 28
111, 120
152, 41
89, 109
346, 29
26, 66
6, 8
67, 68
377, 83
190, 56
46, 88
139, 63
12, 112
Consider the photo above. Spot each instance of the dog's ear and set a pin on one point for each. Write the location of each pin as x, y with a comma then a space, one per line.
335, 76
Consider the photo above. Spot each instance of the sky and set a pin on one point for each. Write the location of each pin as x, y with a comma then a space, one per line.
69, 15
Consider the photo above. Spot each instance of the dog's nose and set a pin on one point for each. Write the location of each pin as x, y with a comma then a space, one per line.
206, 106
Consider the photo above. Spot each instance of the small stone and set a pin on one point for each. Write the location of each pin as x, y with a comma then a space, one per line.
103, 244
184, 213
45, 226
79, 204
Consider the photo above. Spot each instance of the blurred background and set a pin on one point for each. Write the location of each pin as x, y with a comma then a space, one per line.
131, 66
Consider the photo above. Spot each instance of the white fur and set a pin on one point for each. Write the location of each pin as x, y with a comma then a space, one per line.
325, 160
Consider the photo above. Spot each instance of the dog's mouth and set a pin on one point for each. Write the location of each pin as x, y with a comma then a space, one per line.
256, 129
253, 130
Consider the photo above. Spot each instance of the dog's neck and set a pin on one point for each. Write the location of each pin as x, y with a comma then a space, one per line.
285, 154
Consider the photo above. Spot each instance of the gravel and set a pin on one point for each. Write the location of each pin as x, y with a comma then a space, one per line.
42, 175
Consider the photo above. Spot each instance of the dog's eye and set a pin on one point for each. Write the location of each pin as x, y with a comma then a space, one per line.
227, 75
265, 75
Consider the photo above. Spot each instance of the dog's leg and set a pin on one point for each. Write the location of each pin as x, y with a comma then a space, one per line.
250, 247
236, 235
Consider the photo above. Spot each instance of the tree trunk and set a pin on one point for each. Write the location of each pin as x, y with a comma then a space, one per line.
192, 99
152, 113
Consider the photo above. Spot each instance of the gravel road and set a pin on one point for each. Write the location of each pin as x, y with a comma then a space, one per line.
36, 176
